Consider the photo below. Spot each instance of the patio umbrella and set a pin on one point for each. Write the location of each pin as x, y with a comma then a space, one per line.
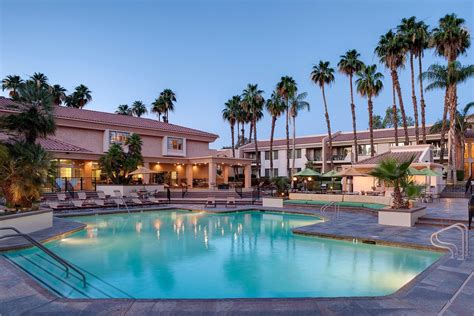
331, 174
351, 172
430, 173
142, 170
307, 173
415, 172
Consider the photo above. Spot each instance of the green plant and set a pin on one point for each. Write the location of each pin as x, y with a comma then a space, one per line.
282, 185
460, 175
395, 174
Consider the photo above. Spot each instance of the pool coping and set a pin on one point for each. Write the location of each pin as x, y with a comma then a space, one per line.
400, 294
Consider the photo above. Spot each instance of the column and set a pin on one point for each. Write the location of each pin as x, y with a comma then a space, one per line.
87, 179
247, 176
189, 175
225, 173
146, 177
211, 180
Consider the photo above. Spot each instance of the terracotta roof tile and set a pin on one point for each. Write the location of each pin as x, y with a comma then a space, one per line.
116, 119
53, 144
399, 156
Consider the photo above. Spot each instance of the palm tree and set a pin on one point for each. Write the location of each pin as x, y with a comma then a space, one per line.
369, 84
297, 104
12, 83
229, 114
286, 89
349, 64
123, 109
168, 97
391, 51
275, 107
252, 102
139, 108
396, 174
158, 107
39, 79
408, 31
440, 77
81, 96
58, 93
451, 39
323, 75
242, 118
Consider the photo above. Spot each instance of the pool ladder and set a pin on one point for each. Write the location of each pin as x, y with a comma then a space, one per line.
328, 205
67, 266
452, 248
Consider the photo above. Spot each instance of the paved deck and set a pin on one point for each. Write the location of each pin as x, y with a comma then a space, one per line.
443, 286
454, 209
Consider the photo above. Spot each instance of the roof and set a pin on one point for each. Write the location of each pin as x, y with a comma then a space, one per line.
53, 144
302, 140
115, 119
399, 156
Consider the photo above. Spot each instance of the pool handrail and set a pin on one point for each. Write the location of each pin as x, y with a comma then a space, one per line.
34, 242
453, 249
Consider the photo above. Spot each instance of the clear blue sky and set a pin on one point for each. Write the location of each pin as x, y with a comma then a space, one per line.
208, 51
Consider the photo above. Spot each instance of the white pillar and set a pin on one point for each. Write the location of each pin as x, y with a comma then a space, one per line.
248, 176
212, 175
225, 173
189, 175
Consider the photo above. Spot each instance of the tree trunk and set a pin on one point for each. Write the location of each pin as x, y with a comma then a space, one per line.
371, 125
272, 132
422, 102
251, 131
395, 113
287, 137
233, 139
452, 134
398, 202
413, 98
243, 133
354, 127
400, 102
443, 126
256, 145
328, 123
294, 149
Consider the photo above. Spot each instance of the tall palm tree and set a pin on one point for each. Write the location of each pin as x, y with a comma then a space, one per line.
40, 79
158, 107
391, 52
323, 75
349, 64
123, 109
439, 77
169, 97
286, 89
369, 84
139, 108
275, 107
408, 32
242, 119
451, 39
58, 93
229, 114
252, 101
12, 83
82, 95
297, 104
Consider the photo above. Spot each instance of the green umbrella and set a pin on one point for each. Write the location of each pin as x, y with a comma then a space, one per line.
331, 174
307, 173
430, 173
415, 172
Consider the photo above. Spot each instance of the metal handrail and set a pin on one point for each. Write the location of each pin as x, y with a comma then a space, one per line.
453, 249
34, 242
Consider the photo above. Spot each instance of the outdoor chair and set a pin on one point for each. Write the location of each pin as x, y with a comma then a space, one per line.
230, 201
211, 202
135, 198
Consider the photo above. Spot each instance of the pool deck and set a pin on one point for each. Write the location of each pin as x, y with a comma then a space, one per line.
447, 286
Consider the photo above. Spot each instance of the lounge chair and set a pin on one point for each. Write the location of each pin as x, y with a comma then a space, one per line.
211, 202
54, 205
78, 203
154, 200
135, 198
230, 201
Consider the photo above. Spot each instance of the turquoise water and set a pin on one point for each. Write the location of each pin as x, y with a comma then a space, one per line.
180, 254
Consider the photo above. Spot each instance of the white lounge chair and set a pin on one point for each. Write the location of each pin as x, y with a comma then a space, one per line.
211, 202
230, 201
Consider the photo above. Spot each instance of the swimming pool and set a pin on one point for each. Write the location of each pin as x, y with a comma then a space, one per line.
182, 254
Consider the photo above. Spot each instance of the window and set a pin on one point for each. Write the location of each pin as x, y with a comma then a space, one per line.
175, 143
297, 153
400, 144
275, 155
466, 150
472, 150
364, 150
118, 137
270, 174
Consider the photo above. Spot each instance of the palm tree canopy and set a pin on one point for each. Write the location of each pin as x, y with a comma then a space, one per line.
81, 96
231, 111
252, 99
463, 122
298, 103
369, 81
322, 74
391, 50
169, 97
40, 79
286, 87
415, 33
350, 63
58, 93
439, 77
139, 108
12, 83
123, 109
451, 38
275, 105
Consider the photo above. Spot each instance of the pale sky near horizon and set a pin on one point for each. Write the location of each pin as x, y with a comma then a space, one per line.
207, 51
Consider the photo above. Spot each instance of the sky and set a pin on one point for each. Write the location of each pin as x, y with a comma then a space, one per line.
208, 51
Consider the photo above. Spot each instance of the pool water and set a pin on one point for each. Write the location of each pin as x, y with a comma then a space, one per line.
181, 254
